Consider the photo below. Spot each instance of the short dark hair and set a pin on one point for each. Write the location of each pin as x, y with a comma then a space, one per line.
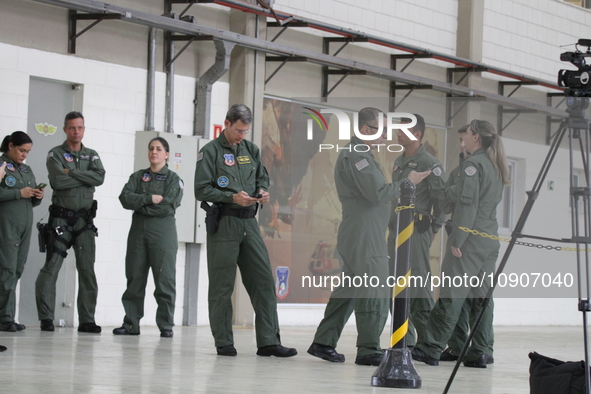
72, 115
367, 117
17, 138
419, 126
239, 112
463, 129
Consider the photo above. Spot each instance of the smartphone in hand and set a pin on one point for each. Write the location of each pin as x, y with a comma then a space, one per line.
41, 186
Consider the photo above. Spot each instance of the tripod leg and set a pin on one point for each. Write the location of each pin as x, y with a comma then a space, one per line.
577, 193
532, 195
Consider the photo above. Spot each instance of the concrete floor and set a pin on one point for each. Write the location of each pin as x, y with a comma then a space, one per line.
68, 362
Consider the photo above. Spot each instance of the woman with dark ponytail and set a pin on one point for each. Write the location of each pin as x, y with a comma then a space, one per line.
18, 196
476, 195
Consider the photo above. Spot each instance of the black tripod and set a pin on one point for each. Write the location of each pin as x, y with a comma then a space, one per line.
578, 129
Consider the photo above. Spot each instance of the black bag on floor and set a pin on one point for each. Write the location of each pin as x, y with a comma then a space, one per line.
550, 376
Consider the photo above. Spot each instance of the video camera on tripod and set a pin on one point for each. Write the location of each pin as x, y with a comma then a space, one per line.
576, 82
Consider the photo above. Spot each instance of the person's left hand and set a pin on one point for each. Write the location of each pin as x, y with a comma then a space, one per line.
265, 197
456, 252
39, 193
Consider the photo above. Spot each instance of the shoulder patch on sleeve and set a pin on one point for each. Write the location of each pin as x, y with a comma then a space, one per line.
95, 158
50, 154
181, 184
200, 156
361, 164
437, 171
470, 170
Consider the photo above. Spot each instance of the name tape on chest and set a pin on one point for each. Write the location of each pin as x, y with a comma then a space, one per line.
243, 159
362, 164
160, 177
470, 171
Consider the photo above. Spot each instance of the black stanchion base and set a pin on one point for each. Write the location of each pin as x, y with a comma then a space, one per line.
396, 370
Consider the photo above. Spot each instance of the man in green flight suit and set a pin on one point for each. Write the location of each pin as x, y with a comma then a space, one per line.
416, 158
230, 174
365, 197
74, 171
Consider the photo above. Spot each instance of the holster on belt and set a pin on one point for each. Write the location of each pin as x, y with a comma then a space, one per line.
44, 236
212, 217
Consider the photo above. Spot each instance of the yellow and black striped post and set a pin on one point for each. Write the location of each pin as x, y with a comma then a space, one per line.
397, 369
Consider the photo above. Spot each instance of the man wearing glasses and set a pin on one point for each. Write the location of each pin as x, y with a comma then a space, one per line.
230, 174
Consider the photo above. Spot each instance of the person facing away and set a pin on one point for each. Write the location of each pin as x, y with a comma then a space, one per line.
361, 242
74, 172
229, 173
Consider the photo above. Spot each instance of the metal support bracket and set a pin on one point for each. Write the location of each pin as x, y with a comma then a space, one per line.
74, 17
394, 87
283, 60
410, 88
451, 72
327, 71
501, 110
284, 27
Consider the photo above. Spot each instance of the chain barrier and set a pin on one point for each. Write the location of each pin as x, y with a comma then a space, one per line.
485, 235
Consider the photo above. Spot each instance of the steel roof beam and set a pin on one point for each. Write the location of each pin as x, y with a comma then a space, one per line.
169, 24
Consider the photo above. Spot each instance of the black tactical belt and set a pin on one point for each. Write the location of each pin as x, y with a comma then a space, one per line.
239, 213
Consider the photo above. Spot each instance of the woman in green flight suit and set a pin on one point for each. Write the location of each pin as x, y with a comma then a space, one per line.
476, 195
153, 194
18, 196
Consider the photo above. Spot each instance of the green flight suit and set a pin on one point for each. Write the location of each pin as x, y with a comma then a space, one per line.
152, 243
361, 242
476, 197
74, 192
426, 199
221, 171
461, 331
16, 220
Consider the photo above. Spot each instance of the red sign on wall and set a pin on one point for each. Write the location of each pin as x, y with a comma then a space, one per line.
217, 130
